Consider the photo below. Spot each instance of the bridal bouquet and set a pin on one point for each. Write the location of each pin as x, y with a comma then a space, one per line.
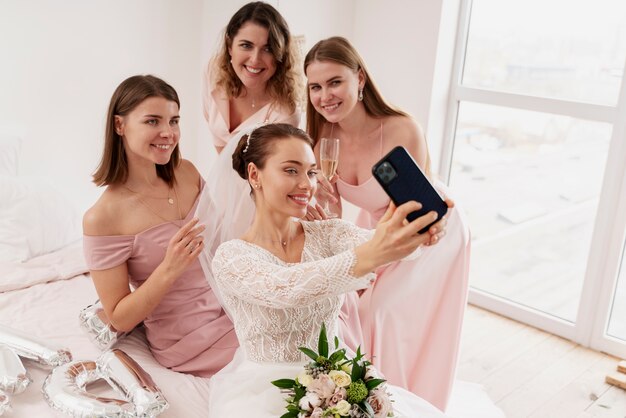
333, 385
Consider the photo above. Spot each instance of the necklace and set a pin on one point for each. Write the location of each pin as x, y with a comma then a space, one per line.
170, 200
282, 242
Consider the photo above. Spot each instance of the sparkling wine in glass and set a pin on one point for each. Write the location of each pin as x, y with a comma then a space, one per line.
329, 156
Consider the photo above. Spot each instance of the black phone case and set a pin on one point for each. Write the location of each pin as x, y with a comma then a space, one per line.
410, 184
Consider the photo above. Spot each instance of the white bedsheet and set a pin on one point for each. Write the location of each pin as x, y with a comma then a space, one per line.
62, 264
49, 312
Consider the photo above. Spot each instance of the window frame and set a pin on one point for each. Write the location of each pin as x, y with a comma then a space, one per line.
609, 231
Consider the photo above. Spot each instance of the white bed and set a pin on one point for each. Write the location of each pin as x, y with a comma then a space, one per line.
44, 284
49, 312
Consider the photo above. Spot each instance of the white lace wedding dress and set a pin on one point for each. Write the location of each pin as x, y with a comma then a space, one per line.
277, 307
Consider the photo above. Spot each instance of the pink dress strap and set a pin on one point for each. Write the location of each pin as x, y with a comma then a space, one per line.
105, 252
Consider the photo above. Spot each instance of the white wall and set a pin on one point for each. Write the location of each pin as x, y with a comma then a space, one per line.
62, 60
408, 47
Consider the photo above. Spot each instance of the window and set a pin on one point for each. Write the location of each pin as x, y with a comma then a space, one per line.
536, 155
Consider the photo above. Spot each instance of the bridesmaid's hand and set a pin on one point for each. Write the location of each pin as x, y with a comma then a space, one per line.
315, 213
326, 190
183, 248
438, 230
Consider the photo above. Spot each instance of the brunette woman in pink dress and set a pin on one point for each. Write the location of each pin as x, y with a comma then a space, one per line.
140, 234
411, 318
252, 80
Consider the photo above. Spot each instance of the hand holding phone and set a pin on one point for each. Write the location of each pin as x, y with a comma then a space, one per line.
403, 180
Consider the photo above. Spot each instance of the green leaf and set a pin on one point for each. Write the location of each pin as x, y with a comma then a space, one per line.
284, 383
336, 342
290, 415
356, 371
322, 345
337, 355
372, 383
359, 355
312, 354
300, 392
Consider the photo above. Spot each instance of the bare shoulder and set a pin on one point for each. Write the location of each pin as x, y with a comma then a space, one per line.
188, 168
187, 174
103, 217
403, 130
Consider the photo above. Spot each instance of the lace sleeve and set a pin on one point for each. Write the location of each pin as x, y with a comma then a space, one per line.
242, 272
343, 235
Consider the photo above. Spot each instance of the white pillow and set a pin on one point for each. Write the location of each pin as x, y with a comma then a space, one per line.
35, 218
9, 152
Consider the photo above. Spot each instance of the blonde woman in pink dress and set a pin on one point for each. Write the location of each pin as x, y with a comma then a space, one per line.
141, 234
411, 317
252, 80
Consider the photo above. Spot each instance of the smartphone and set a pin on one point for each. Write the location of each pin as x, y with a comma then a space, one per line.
403, 180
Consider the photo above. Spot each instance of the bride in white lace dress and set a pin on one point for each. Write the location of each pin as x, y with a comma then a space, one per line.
284, 278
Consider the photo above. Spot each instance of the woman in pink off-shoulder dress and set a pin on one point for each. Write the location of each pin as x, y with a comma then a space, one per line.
250, 81
411, 318
140, 234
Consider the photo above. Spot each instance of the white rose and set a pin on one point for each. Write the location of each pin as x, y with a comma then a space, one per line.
343, 408
310, 401
304, 379
340, 378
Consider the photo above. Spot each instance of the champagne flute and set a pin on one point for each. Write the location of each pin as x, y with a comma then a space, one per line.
329, 156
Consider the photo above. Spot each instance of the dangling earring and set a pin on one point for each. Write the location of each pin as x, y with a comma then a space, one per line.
361, 94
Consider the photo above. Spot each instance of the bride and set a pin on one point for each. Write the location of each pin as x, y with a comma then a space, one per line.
284, 278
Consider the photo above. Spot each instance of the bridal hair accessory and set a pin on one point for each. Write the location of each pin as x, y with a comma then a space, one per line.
247, 143
335, 385
361, 94
254, 128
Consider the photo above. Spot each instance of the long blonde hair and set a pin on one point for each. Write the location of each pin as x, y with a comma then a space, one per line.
338, 49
